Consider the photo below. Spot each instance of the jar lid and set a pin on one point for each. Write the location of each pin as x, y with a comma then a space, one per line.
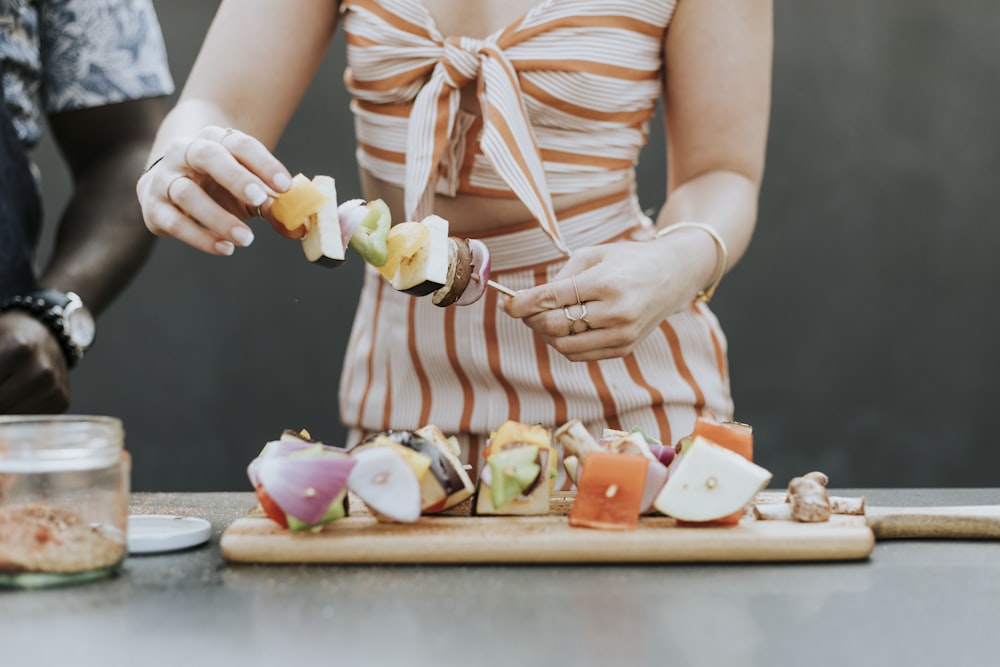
155, 533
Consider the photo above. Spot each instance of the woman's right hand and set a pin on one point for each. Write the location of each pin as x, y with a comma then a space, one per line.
204, 188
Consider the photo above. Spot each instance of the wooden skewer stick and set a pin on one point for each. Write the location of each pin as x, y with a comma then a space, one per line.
500, 288
495, 285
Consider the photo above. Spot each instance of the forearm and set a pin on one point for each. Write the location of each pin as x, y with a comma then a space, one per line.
239, 82
724, 200
101, 242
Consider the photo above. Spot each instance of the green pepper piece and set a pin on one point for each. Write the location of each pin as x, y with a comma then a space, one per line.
337, 510
513, 471
369, 239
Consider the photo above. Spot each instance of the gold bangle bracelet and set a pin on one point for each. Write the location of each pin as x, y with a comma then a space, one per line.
705, 295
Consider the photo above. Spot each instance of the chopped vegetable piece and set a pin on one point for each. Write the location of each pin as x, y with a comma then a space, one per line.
338, 510
610, 491
709, 482
369, 239
305, 484
425, 270
293, 208
402, 241
735, 437
432, 490
481, 269
270, 507
513, 471
323, 243
447, 467
386, 483
513, 432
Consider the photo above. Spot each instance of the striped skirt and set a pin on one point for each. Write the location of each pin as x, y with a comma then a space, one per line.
468, 369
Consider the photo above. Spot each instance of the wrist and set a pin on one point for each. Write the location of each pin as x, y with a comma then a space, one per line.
699, 239
64, 314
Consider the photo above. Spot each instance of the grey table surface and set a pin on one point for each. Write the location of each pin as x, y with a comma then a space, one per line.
926, 602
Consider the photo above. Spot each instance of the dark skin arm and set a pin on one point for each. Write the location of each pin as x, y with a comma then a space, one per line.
101, 243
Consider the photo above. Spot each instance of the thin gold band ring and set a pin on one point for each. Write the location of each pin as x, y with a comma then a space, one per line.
583, 306
170, 185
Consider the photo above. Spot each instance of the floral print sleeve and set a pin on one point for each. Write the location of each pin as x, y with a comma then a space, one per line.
96, 52
73, 54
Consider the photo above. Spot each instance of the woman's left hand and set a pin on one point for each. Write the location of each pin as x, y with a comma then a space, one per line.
606, 299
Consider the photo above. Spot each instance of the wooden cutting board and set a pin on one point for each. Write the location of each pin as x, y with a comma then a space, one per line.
457, 538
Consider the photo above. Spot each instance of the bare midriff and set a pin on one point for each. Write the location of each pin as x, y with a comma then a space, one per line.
470, 214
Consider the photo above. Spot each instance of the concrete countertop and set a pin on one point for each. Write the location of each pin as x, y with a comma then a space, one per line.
927, 602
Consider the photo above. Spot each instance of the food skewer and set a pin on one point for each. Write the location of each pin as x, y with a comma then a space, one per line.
500, 288
365, 226
497, 286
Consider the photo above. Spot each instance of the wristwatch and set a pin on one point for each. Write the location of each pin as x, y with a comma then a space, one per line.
63, 313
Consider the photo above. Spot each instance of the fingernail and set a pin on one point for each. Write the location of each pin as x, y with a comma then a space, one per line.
225, 247
256, 194
282, 181
243, 236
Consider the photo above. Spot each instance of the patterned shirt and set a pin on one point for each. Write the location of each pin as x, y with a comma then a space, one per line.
60, 55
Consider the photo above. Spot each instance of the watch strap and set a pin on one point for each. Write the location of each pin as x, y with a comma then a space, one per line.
48, 305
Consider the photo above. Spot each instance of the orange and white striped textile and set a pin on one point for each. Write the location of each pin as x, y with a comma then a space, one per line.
468, 369
566, 94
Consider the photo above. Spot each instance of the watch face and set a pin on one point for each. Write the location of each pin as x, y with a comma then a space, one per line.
80, 325
81, 328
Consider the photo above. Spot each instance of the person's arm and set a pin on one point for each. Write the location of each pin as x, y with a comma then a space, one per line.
101, 243
717, 104
215, 164
99, 246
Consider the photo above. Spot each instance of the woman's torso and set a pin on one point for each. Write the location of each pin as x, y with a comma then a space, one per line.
471, 212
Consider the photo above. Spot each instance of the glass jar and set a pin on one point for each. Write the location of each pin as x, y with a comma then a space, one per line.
64, 483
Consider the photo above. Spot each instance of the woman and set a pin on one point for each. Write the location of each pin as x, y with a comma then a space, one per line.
520, 122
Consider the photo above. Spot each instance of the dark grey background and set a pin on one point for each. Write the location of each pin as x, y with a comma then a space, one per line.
862, 323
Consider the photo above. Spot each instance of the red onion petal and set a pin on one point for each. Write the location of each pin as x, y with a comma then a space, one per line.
486, 475
285, 447
350, 214
304, 486
663, 453
481, 266
656, 478
252, 473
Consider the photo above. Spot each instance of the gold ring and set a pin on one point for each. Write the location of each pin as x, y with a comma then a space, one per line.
572, 321
577, 291
583, 310
170, 185
187, 163
259, 214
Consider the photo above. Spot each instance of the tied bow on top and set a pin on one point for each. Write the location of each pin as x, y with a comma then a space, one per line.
507, 139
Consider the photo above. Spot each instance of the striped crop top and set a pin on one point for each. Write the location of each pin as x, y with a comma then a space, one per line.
566, 95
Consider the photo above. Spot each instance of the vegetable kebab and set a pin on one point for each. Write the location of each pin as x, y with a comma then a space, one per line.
418, 258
